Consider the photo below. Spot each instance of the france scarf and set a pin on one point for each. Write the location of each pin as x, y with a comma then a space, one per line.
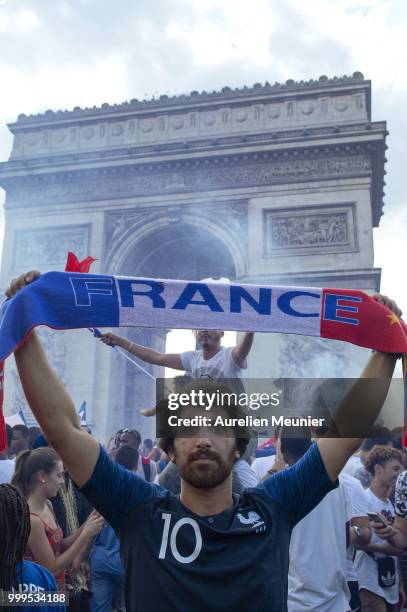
71, 300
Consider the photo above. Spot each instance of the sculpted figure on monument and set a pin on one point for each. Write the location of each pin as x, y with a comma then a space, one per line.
308, 230
327, 358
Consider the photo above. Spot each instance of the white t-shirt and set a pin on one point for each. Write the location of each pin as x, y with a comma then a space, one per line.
317, 572
366, 566
221, 365
247, 477
6, 470
357, 508
353, 465
261, 465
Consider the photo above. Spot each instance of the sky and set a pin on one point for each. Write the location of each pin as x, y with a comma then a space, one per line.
60, 54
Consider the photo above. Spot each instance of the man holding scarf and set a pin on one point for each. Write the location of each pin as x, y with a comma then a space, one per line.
205, 549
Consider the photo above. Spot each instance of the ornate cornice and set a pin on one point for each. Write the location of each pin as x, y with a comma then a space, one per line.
165, 101
189, 175
160, 127
304, 136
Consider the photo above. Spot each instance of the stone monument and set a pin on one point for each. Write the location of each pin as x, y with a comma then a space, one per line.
277, 184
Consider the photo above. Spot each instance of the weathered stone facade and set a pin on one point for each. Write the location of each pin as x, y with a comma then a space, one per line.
278, 184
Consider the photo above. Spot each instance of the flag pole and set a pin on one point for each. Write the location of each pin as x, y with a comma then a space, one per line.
96, 332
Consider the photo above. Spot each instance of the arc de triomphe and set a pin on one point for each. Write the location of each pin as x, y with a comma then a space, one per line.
277, 184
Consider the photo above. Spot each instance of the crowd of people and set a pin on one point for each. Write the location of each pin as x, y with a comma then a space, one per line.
199, 523
337, 561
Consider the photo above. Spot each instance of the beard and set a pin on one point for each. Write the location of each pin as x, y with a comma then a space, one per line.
206, 475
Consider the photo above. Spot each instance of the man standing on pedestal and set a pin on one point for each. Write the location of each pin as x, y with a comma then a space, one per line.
213, 361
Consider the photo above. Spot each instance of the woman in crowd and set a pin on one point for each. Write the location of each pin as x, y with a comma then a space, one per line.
16, 574
71, 510
38, 475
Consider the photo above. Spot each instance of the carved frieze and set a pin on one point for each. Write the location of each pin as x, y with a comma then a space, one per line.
46, 248
307, 230
310, 229
210, 174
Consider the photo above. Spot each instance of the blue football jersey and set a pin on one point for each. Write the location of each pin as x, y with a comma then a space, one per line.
178, 561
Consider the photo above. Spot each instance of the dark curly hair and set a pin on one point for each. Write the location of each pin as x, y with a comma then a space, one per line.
14, 531
379, 455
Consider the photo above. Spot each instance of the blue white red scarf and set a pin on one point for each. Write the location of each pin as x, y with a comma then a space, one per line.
71, 300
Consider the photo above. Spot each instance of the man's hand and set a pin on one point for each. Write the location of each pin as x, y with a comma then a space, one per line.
149, 412
113, 340
19, 283
144, 353
395, 534
385, 533
390, 304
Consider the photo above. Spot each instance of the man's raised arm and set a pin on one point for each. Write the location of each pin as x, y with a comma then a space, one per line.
241, 351
149, 355
359, 409
51, 404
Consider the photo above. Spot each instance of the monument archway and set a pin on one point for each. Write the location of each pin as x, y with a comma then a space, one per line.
179, 250
275, 183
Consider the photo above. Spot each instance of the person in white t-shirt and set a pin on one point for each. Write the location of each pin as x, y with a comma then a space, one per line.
359, 532
262, 466
247, 477
376, 563
378, 435
353, 465
267, 466
317, 570
213, 361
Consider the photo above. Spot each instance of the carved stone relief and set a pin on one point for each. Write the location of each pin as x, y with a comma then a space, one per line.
305, 356
309, 230
47, 247
56, 350
214, 174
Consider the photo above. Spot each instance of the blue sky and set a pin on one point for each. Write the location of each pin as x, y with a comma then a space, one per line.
65, 53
